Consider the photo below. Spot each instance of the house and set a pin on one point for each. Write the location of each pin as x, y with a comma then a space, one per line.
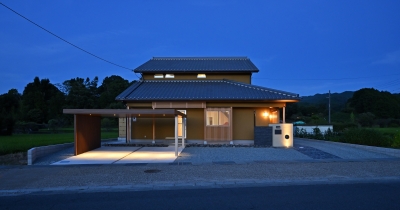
215, 94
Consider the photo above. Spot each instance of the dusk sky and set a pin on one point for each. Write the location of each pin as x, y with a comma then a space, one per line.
304, 47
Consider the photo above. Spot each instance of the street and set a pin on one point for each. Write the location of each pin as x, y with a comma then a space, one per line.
325, 196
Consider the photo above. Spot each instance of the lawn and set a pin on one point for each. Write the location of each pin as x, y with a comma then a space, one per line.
23, 142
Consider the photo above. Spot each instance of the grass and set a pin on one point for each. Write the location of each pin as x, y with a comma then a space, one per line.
23, 142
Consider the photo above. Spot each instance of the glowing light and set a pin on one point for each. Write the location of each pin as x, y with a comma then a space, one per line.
265, 114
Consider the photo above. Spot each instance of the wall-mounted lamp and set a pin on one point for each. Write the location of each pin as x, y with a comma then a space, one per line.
265, 114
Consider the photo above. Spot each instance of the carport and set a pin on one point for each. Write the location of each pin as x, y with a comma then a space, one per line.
87, 124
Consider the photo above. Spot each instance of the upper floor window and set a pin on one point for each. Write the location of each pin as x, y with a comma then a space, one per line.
169, 76
201, 75
159, 76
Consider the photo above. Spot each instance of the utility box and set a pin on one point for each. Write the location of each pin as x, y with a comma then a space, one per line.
282, 135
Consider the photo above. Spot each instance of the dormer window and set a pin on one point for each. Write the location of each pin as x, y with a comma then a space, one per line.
158, 76
169, 76
201, 75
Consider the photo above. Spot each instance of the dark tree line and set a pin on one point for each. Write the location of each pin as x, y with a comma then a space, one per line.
366, 107
42, 102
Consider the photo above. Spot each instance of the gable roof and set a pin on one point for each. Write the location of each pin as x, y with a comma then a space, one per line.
197, 65
200, 90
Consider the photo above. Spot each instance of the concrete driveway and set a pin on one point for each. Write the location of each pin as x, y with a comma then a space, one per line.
123, 155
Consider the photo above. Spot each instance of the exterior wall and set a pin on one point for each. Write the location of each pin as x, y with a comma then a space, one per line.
87, 133
139, 105
142, 128
243, 123
245, 104
195, 124
245, 78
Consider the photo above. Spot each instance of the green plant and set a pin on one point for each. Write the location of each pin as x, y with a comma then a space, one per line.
396, 140
365, 136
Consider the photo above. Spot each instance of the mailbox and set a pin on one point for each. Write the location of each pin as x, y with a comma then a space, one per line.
282, 134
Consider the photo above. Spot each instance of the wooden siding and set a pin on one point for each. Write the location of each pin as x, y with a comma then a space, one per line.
220, 132
87, 133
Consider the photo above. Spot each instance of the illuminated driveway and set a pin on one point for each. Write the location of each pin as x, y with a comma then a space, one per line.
123, 155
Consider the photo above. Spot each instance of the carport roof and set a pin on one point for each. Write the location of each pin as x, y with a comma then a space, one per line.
138, 113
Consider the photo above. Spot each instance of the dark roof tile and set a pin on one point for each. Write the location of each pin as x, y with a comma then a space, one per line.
201, 90
197, 65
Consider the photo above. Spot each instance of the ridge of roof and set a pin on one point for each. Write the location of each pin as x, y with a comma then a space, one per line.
202, 58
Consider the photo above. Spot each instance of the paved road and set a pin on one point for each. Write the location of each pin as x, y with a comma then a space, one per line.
339, 196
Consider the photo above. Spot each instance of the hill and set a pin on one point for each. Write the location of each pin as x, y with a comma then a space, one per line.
338, 100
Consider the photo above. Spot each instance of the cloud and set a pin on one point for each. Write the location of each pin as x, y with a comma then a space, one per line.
390, 58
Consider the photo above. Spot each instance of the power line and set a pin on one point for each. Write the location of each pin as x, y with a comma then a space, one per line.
98, 57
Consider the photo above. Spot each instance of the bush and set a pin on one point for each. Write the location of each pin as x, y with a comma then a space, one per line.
317, 134
396, 140
365, 136
339, 127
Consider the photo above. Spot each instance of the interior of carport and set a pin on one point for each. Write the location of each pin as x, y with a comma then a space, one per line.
87, 124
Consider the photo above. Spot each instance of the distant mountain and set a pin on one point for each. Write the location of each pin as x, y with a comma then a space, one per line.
338, 100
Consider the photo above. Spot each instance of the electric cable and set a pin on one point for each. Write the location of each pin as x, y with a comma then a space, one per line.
98, 57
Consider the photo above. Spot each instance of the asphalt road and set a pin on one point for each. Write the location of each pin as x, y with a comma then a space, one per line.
327, 196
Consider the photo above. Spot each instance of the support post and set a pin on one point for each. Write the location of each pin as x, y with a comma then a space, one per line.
176, 135
283, 115
128, 128
183, 131
154, 131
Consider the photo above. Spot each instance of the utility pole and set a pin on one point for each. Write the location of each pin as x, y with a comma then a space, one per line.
329, 107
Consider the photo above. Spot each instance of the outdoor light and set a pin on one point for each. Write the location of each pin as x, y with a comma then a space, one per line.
265, 114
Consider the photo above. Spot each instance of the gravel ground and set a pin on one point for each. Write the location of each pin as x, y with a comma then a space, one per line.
341, 151
29, 177
303, 150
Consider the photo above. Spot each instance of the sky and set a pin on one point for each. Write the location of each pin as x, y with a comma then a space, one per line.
305, 47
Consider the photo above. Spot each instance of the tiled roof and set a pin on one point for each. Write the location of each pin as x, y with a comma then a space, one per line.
177, 90
197, 65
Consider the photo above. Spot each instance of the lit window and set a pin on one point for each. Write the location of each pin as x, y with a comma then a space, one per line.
169, 76
158, 76
201, 75
218, 118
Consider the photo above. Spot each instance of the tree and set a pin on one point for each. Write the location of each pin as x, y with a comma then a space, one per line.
9, 111
110, 88
366, 119
41, 101
81, 93
381, 103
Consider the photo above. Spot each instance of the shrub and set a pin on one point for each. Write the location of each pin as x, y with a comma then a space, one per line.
317, 134
396, 140
339, 127
365, 136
